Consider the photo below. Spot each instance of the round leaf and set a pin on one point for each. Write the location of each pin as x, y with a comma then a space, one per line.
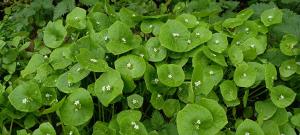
271, 16
218, 43
77, 109
26, 97
108, 86
249, 127
131, 65
244, 75
54, 34
171, 75
282, 96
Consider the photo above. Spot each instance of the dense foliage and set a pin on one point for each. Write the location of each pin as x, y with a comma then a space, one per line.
145, 67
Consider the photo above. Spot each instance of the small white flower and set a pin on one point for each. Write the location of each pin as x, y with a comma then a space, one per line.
106, 38
288, 67
252, 46
197, 83
134, 101
170, 76
217, 41
76, 110
270, 17
76, 102
97, 22
78, 69
103, 88
108, 87
246, 29
25, 100
214, 55
197, 33
133, 15
71, 133
150, 26
155, 49
189, 41
186, 20
156, 80
142, 55
76, 18
55, 80
244, 75
197, 22
158, 95
45, 57
211, 72
123, 40
247, 133
281, 97
47, 95
238, 42
128, 65
198, 122
175, 34
93, 60
136, 126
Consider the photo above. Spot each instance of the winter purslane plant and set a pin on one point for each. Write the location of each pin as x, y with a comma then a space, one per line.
198, 69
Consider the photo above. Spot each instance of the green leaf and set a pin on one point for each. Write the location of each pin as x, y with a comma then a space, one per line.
44, 128
101, 128
193, 119
215, 57
270, 128
288, 68
174, 36
281, 116
157, 100
188, 20
270, 75
60, 58
244, 75
282, 96
77, 18
265, 109
218, 113
271, 16
131, 65
155, 51
121, 39
171, 107
185, 93
77, 73
218, 43
249, 127
245, 14
108, 86
54, 34
235, 54
232, 22
229, 90
287, 44
90, 62
64, 85
199, 36
54, 107
129, 17
71, 130
295, 119
26, 97
135, 101
33, 64
287, 129
170, 75
99, 20
77, 109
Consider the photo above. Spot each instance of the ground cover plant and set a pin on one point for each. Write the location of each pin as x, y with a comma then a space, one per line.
143, 67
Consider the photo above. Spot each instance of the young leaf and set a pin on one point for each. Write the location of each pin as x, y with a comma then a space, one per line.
54, 34
77, 18
108, 86
282, 96
170, 75
26, 97
131, 65
77, 109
